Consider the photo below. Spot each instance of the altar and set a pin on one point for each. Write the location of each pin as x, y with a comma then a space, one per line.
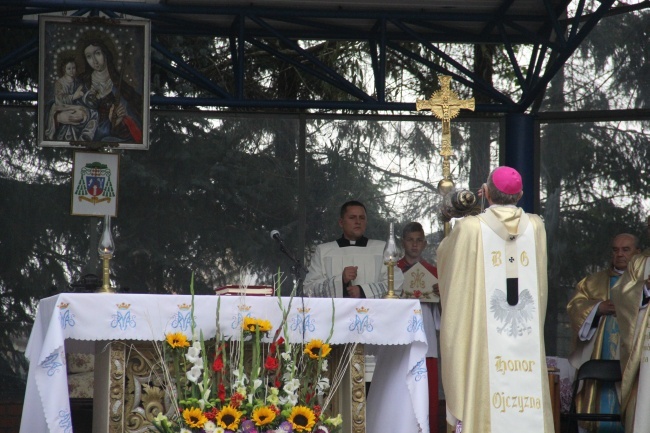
392, 329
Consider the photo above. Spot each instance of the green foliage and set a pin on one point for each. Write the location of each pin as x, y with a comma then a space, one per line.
591, 183
205, 195
23, 74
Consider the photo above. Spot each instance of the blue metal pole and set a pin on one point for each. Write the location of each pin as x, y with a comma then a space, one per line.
519, 153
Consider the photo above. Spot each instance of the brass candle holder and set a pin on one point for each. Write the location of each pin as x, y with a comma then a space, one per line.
106, 249
391, 281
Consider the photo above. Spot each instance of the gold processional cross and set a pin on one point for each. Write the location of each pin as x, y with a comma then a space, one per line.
445, 105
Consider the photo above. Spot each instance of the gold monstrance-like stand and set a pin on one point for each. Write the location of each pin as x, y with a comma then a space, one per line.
445, 105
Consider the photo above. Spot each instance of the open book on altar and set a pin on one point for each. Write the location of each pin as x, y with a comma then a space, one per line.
418, 284
245, 290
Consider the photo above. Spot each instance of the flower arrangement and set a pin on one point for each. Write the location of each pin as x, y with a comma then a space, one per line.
260, 383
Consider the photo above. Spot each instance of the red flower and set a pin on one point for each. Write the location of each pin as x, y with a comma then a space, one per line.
222, 392
275, 345
212, 414
317, 410
417, 293
278, 384
271, 363
236, 400
217, 365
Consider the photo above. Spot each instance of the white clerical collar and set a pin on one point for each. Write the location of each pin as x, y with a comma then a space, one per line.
504, 205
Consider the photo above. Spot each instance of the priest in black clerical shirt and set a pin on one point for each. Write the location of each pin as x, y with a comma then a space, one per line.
353, 265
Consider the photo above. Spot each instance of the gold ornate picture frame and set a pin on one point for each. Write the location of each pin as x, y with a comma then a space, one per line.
95, 183
93, 88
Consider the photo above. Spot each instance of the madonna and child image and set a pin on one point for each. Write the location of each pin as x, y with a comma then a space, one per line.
94, 80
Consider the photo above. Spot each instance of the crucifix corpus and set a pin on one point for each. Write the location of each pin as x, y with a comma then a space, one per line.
445, 105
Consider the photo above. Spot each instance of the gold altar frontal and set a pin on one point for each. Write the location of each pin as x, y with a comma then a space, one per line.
129, 390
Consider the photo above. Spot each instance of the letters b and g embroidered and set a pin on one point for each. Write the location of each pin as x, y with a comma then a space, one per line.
497, 261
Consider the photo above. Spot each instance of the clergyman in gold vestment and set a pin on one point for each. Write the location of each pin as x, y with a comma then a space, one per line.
464, 333
630, 297
595, 329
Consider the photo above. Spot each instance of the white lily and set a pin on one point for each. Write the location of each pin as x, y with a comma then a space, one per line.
290, 399
194, 354
292, 385
256, 384
194, 374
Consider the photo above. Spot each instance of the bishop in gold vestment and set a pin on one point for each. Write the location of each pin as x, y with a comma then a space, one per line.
596, 331
632, 314
464, 338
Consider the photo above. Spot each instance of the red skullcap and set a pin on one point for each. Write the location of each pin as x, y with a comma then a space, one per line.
507, 180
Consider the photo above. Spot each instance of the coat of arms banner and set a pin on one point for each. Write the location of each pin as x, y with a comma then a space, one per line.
95, 181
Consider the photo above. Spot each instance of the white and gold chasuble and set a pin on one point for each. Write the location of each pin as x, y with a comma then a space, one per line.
492, 354
642, 417
513, 331
634, 340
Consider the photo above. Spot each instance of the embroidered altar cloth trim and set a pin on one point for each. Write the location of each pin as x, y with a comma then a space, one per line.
87, 318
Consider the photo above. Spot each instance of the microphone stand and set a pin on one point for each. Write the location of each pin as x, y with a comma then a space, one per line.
297, 269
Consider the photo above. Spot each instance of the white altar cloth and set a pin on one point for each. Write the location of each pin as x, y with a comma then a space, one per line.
86, 318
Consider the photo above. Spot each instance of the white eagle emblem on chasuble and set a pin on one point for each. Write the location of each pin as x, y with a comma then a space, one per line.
513, 317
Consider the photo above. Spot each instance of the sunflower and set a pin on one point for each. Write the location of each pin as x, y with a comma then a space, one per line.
317, 349
228, 418
251, 325
302, 418
264, 325
194, 417
263, 415
177, 339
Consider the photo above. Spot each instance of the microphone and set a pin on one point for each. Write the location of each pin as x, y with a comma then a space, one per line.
276, 235
297, 269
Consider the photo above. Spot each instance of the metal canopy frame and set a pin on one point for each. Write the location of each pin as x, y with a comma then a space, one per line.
549, 34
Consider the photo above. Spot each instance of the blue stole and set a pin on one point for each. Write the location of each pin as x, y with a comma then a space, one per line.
608, 401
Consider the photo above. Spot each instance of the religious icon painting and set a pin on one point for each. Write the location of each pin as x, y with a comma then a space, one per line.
93, 88
95, 182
